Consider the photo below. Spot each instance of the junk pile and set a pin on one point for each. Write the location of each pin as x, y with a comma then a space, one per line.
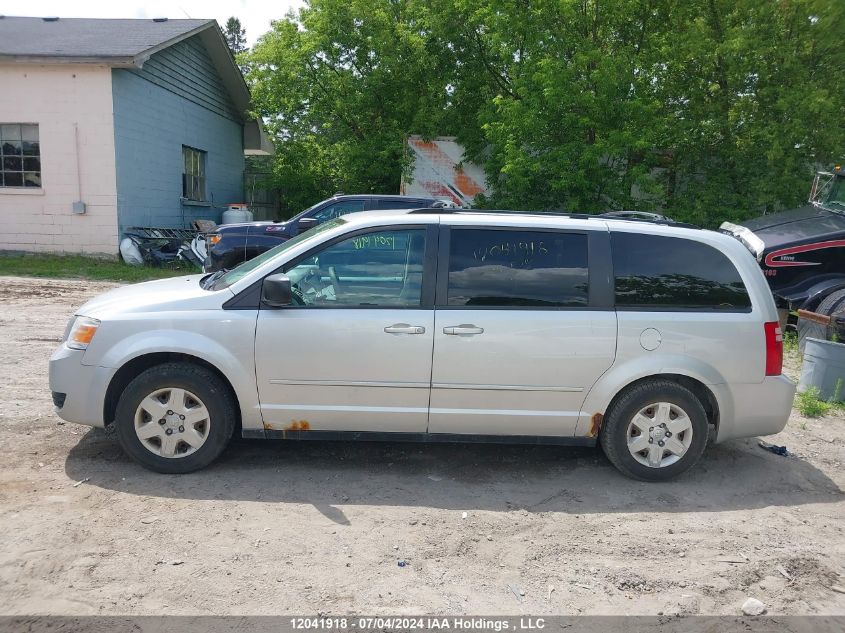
166, 247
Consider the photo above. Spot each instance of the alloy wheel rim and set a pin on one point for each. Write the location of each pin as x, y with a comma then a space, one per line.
659, 434
172, 423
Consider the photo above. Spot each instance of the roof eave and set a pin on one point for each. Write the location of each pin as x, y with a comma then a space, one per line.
98, 60
214, 41
144, 55
230, 74
256, 140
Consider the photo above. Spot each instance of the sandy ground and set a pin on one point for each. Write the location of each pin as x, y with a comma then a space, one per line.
276, 527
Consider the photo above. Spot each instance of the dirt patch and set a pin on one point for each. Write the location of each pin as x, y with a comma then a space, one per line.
286, 527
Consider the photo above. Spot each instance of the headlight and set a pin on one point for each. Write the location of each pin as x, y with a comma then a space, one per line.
214, 238
81, 332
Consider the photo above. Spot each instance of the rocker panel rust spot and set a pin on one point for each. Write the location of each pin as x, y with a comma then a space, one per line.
295, 425
595, 425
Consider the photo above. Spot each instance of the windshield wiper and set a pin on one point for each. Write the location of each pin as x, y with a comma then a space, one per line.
207, 282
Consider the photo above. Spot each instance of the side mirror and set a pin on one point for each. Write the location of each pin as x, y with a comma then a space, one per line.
306, 223
276, 291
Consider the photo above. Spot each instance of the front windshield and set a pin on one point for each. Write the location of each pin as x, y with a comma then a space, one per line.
301, 213
836, 197
242, 270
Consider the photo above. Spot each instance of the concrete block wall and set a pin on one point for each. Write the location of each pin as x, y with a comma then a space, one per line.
151, 125
62, 99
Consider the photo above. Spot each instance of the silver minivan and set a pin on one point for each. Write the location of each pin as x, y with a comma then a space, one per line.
437, 325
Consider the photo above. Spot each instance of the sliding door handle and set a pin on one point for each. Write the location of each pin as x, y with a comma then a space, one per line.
463, 328
404, 328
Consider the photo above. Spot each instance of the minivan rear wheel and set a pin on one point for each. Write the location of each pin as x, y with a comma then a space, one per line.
655, 430
175, 418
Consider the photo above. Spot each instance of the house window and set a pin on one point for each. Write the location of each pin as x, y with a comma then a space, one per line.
193, 174
20, 155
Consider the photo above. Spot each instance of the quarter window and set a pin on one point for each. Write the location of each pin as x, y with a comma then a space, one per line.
659, 272
20, 155
193, 174
379, 269
504, 268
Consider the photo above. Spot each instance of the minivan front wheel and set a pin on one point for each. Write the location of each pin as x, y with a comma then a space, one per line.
172, 422
175, 418
655, 431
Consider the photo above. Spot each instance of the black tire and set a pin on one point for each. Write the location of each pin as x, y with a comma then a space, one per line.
614, 432
211, 391
831, 304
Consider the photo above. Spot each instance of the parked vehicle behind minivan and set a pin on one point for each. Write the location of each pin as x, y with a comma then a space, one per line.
802, 253
441, 326
230, 244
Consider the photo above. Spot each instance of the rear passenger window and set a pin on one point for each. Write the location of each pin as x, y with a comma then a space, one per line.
504, 268
671, 273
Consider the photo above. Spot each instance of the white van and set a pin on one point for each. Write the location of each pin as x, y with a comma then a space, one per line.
441, 325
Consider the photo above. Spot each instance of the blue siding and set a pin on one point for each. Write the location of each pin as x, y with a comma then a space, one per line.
186, 69
152, 122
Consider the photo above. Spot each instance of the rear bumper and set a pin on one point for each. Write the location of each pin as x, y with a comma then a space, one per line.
79, 389
749, 410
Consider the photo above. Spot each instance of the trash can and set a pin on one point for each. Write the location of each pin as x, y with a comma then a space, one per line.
824, 368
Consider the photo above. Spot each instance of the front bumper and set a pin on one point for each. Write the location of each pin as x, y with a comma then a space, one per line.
749, 410
83, 387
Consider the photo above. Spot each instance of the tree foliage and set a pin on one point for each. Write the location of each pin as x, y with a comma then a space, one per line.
235, 35
705, 109
340, 85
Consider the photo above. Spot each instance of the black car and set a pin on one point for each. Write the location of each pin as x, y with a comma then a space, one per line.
802, 251
231, 244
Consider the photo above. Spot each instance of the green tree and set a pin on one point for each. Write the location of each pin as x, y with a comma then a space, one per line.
752, 98
235, 35
562, 110
340, 84
706, 109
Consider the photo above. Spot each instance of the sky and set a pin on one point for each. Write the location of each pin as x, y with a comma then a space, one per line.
255, 15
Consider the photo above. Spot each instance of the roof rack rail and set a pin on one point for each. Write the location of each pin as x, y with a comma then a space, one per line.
626, 216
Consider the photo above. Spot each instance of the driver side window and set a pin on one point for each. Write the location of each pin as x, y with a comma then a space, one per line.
379, 269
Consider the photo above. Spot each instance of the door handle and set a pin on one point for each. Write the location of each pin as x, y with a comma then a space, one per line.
404, 328
463, 328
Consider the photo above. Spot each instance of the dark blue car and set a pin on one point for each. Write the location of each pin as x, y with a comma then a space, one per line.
231, 244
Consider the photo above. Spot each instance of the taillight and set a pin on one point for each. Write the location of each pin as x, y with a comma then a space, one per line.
774, 348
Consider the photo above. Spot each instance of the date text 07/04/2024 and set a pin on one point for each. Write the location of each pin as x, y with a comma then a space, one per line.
328, 623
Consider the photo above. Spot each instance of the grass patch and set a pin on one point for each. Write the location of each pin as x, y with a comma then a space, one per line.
790, 342
81, 267
811, 405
